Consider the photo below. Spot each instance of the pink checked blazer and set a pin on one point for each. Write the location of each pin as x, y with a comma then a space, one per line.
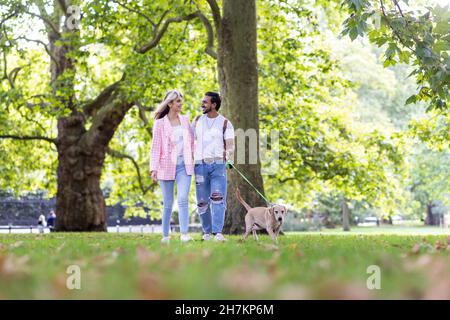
163, 157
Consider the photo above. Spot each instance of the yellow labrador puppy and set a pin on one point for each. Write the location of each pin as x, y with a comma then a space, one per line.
260, 218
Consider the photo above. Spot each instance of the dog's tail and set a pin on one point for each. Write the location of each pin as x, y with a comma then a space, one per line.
245, 204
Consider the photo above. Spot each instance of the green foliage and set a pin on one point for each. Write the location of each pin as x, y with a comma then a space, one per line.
430, 176
321, 148
420, 37
339, 135
433, 130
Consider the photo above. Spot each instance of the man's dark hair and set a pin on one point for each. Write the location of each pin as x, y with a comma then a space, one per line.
215, 98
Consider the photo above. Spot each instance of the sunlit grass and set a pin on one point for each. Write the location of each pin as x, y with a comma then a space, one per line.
301, 266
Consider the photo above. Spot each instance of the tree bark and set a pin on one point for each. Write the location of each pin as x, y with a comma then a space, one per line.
80, 205
431, 219
345, 216
238, 79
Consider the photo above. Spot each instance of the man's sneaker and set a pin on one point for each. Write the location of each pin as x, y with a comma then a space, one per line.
219, 237
165, 240
206, 237
185, 238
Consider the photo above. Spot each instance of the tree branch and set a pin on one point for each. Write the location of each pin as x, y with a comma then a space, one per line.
216, 14
157, 35
5, 66
119, 155
161, 19
210, 45
45, 47
136, 11
46, 21
13, 75
393, 30
174, 52
63, 5
28, 138
7, 18
31, 120
143, 116
106, 121
90, 108
398, 6
287, 179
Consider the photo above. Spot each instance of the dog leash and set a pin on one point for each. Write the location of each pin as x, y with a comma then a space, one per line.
245, 178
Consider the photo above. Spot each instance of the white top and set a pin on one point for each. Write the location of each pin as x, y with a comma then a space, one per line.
42, 220
178, 135
209, 136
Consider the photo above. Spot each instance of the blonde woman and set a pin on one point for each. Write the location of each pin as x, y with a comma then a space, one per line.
172, 160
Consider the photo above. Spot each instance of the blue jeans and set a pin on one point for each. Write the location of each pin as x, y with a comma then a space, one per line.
183, 181
211, 191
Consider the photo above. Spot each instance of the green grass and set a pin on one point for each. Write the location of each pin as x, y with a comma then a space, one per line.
386, 229
301, 266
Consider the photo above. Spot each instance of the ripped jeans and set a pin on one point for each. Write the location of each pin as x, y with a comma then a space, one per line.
211, 191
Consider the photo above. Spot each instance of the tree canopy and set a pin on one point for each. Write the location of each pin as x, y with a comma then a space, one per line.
340, 111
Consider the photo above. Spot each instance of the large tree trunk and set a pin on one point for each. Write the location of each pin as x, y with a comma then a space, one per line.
80, 205
345, 216
238, 78
431, 219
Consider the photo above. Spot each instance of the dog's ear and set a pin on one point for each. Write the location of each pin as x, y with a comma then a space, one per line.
271, 211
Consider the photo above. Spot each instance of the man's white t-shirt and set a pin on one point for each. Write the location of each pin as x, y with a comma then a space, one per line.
209, 137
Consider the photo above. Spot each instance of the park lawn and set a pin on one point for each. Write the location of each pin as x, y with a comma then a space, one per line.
301, 266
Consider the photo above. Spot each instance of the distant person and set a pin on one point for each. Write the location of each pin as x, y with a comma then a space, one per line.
41, 223
51, 221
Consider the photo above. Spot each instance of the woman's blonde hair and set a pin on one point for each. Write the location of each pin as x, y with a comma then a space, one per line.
163, 107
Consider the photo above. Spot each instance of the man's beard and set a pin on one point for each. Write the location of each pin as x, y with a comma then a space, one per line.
206, 110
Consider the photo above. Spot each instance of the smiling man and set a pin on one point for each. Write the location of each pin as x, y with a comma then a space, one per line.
214, 136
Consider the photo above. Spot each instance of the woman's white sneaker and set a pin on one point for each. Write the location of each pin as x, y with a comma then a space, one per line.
185, 238
206, 237
165, 240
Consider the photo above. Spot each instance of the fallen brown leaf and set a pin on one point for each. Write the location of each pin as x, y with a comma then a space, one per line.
11, 265
104, 260
145, 256
16, 244
293, 292
438, 279
422, 247
415, 249
206, 253
270, 247
151, 288
273, 264
246, 280
338, 290
438, 245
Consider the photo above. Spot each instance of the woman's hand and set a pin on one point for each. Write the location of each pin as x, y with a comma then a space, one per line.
154, 176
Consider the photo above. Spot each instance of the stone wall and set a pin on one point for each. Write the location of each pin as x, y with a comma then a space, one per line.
25, 212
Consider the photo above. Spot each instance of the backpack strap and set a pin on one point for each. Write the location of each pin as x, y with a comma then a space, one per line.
195, 125
196, 120
225, 122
